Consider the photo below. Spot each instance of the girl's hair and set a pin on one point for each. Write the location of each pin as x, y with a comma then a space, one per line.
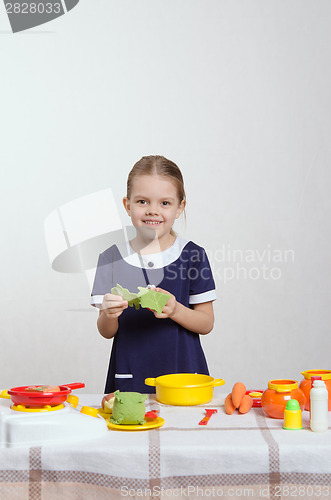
157, 165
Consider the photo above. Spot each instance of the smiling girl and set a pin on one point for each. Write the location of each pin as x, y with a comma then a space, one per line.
147, 343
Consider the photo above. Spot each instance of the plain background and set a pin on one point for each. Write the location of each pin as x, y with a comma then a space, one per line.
237, 93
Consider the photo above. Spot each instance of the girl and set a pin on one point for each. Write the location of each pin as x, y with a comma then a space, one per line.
146, 343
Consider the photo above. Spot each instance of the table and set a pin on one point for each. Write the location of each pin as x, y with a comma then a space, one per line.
234, 456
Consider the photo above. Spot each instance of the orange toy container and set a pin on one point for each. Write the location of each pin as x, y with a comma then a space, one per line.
274, 399
305, 384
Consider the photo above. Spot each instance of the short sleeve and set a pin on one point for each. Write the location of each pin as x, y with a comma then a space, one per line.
202, 284
102, 280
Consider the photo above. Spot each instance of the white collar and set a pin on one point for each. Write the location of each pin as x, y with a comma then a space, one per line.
153, 260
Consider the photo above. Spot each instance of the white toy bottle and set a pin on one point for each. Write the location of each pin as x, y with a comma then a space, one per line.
319, 407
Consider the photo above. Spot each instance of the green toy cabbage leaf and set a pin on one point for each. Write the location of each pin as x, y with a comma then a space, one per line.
146, 297
152, 300
132, 298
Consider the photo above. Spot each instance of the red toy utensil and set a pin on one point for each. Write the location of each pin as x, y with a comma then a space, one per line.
206, 418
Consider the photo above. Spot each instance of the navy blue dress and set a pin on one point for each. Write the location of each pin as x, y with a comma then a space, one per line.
145, 346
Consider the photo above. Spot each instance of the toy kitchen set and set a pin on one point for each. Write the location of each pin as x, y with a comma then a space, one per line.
34, 415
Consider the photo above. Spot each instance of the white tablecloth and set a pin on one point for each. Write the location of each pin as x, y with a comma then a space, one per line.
233, 456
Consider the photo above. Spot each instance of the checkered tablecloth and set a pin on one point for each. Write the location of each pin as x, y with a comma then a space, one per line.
234, 456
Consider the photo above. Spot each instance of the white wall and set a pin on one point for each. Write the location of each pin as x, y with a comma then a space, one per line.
237, 93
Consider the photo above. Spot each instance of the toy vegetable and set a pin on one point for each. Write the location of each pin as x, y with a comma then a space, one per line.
42, 388
228, 405
128, 408
238, 399
146, 297
107, 402
238, 392
245, 404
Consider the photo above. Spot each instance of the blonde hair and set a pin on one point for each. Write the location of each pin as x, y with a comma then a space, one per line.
157, 165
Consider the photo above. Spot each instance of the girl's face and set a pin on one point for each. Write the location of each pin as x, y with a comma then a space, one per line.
154, 204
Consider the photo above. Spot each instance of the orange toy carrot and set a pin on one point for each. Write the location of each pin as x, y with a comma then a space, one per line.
228, 405
238, 392
245, 404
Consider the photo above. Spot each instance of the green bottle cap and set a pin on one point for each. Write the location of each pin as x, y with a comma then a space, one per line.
293, 405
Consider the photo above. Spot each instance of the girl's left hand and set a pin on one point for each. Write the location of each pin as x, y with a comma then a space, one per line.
170, 307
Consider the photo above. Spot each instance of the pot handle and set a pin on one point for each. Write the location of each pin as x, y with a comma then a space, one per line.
218, 381
150, 381
4, 394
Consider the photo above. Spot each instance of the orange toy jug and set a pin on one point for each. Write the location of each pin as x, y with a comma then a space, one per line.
279, 392
305, 384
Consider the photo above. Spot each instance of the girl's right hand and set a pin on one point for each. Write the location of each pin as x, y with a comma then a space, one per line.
113, 305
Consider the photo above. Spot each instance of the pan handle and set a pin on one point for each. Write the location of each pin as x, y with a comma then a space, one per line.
218, 381
75, 385
4, 394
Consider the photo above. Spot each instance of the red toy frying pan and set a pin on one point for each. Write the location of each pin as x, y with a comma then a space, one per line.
20, 396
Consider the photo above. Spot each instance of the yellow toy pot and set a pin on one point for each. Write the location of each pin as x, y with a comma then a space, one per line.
184, 389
